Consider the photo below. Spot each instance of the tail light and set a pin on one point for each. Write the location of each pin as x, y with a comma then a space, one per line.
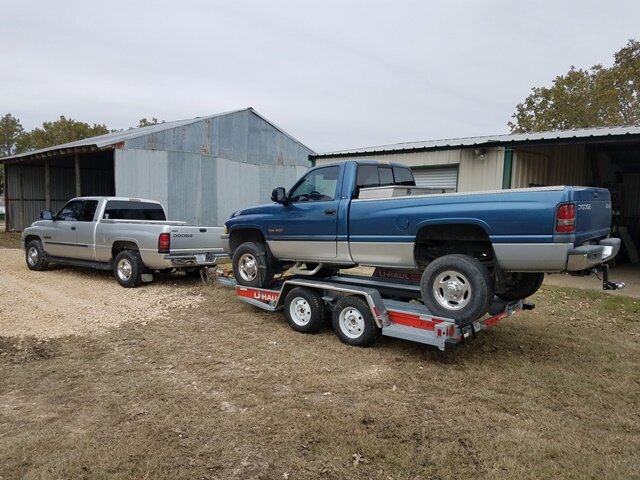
164, 243
566, 218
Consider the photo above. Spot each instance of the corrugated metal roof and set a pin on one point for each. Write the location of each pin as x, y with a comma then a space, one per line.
492, 140
113, 138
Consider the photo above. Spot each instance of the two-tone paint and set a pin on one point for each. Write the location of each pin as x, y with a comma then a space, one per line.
519, 223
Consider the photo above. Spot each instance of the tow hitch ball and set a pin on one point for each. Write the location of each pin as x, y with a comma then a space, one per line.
606, 284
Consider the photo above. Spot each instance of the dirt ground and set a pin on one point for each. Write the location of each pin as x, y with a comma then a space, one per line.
180, 380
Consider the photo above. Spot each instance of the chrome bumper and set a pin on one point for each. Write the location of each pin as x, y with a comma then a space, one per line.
585, 257
199, 260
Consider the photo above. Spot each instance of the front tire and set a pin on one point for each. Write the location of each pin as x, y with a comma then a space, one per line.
128, 269
457, 287
35, 257
521, 285
353, 322
304, 310
251, 267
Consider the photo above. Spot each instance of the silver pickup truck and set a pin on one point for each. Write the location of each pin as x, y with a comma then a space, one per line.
129, 236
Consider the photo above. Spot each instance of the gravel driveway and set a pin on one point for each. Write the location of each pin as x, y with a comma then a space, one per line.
68, 301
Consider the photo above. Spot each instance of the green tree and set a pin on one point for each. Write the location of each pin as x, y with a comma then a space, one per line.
10, 132
61, 131
598, 97
144, 122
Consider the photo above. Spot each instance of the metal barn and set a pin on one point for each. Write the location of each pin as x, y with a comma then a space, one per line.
607, 157
201, 169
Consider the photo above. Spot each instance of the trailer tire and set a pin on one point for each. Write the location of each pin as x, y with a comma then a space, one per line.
251, 267
353, 322
457, 287
521, 285
35, 257
127, 269
304, 310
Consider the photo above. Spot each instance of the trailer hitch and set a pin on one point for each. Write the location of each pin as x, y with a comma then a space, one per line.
606, 284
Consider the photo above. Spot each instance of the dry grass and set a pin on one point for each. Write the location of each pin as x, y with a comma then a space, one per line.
227, 391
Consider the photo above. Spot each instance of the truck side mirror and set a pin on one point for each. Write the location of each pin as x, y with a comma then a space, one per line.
279, 195
46, 215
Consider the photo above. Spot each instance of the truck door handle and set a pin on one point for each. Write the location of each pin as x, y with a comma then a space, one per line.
330, 211
73, 228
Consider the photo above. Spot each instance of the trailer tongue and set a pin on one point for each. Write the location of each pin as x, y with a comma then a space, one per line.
363, 308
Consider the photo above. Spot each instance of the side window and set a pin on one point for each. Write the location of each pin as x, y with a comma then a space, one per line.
367, 177
89, 210
71, 212
403, 176
319, 185
386, 176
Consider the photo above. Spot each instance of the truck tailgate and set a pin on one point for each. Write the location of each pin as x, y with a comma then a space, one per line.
593, 213
190, 240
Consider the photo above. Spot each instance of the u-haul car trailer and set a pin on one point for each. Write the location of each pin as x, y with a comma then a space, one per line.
363, 308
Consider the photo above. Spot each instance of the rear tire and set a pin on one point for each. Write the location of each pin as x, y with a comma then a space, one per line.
128, 269
251, 267
35, 257
521, 285
353, 322
457, 287
304, 310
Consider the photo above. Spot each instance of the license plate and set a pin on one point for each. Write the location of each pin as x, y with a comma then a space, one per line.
201, 258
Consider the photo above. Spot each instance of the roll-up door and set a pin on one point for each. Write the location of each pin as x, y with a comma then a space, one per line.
444, 178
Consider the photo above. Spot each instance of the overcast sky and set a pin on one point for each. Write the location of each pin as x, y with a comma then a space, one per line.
334, 74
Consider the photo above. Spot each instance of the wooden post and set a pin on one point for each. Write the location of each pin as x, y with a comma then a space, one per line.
78, 184
47, 185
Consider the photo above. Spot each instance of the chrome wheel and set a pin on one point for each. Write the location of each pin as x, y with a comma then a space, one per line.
351, 322
300, 311
32, 256
452, 290
248, 267
125, 269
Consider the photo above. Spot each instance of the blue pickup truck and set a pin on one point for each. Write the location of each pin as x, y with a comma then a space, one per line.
468, 247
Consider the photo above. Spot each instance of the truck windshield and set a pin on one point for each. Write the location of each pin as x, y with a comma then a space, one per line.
124, 210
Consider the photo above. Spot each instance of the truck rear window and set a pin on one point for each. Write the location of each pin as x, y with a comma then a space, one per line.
123, 210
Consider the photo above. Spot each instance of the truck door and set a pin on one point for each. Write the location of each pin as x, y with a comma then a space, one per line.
308, 224
61, 237
85, 228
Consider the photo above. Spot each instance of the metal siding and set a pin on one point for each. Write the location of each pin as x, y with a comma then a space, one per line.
142, 173
232, 136
477, 174
552, 165
184, 187
529, 169
209, 192
238, 186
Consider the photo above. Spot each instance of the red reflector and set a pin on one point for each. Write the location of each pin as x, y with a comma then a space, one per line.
566, 218
164, 243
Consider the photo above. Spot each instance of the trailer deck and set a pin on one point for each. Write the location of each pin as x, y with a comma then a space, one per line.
392, 305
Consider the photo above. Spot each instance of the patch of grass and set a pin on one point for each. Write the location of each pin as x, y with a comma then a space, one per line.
231, 392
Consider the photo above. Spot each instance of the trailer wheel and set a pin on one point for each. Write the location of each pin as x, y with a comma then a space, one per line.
128, 269
458, 287
521, 285
35, 256
250, 266
353, 322
304, 310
